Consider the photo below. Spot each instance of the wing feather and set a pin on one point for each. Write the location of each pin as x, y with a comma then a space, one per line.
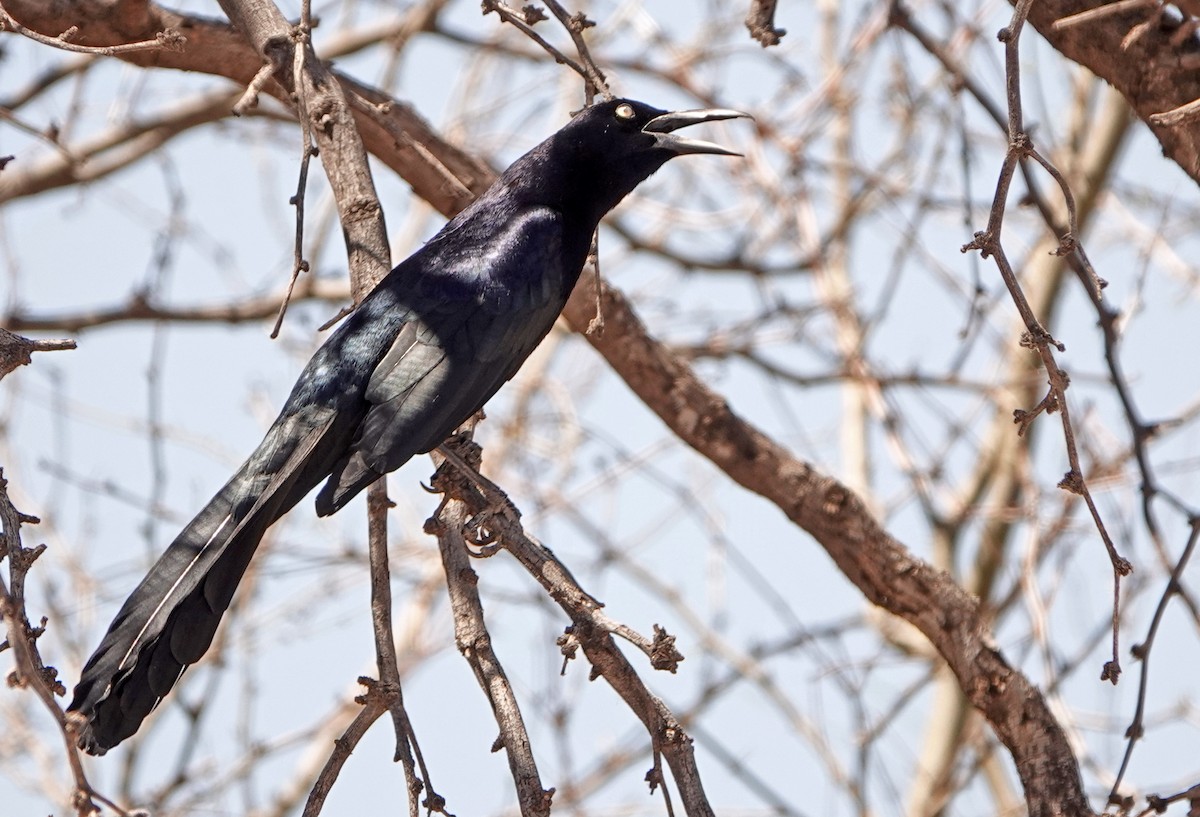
470, 327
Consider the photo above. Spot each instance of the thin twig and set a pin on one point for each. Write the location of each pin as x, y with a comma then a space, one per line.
168, 39
525, 22
137, 309
760, 22
1141, 651
1177, 116
249, 97
475, 644
302, 35
594, 80
494, 524
49, 134
31, 672
1036, 337
299, 263
377, 700
385, 641
1100, 12
16, 351
47, 79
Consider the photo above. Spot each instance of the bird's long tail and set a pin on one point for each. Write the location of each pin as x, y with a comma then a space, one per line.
170, 619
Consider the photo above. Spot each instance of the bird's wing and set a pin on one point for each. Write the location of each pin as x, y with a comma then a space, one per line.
473, 322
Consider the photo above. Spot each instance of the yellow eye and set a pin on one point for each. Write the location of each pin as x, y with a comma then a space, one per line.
625, 111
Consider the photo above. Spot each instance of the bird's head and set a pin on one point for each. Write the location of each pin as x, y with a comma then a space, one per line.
609, 149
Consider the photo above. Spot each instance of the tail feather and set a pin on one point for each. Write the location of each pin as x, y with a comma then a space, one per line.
170, 620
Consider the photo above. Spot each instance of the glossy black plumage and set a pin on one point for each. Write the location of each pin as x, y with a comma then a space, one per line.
425, 349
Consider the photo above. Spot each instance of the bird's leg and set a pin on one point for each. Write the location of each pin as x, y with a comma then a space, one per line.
498, 500
498, 503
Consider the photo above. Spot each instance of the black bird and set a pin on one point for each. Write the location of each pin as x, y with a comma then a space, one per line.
425, 350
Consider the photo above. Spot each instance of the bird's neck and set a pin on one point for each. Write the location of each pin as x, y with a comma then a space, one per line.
563, 176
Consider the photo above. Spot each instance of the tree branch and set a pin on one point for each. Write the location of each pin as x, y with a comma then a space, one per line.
389, 129
879, 566
16, 351
1155, 70
495, 521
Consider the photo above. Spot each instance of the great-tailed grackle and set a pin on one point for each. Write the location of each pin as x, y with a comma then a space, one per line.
425, 349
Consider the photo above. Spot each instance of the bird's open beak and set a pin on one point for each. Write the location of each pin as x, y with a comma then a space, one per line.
662, 126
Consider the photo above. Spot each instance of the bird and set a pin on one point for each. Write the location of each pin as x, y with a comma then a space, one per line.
423, 351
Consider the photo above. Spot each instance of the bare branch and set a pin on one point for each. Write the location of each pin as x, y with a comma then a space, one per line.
1155, 71
441, 174
322, 103
17, 351
884, 570
576, 24
475, 643
167, 39
377, 700
1036, 337
493, 522
760, 22
525, 22
31, 672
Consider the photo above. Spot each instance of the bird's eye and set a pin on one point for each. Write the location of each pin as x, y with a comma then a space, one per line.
625, 111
